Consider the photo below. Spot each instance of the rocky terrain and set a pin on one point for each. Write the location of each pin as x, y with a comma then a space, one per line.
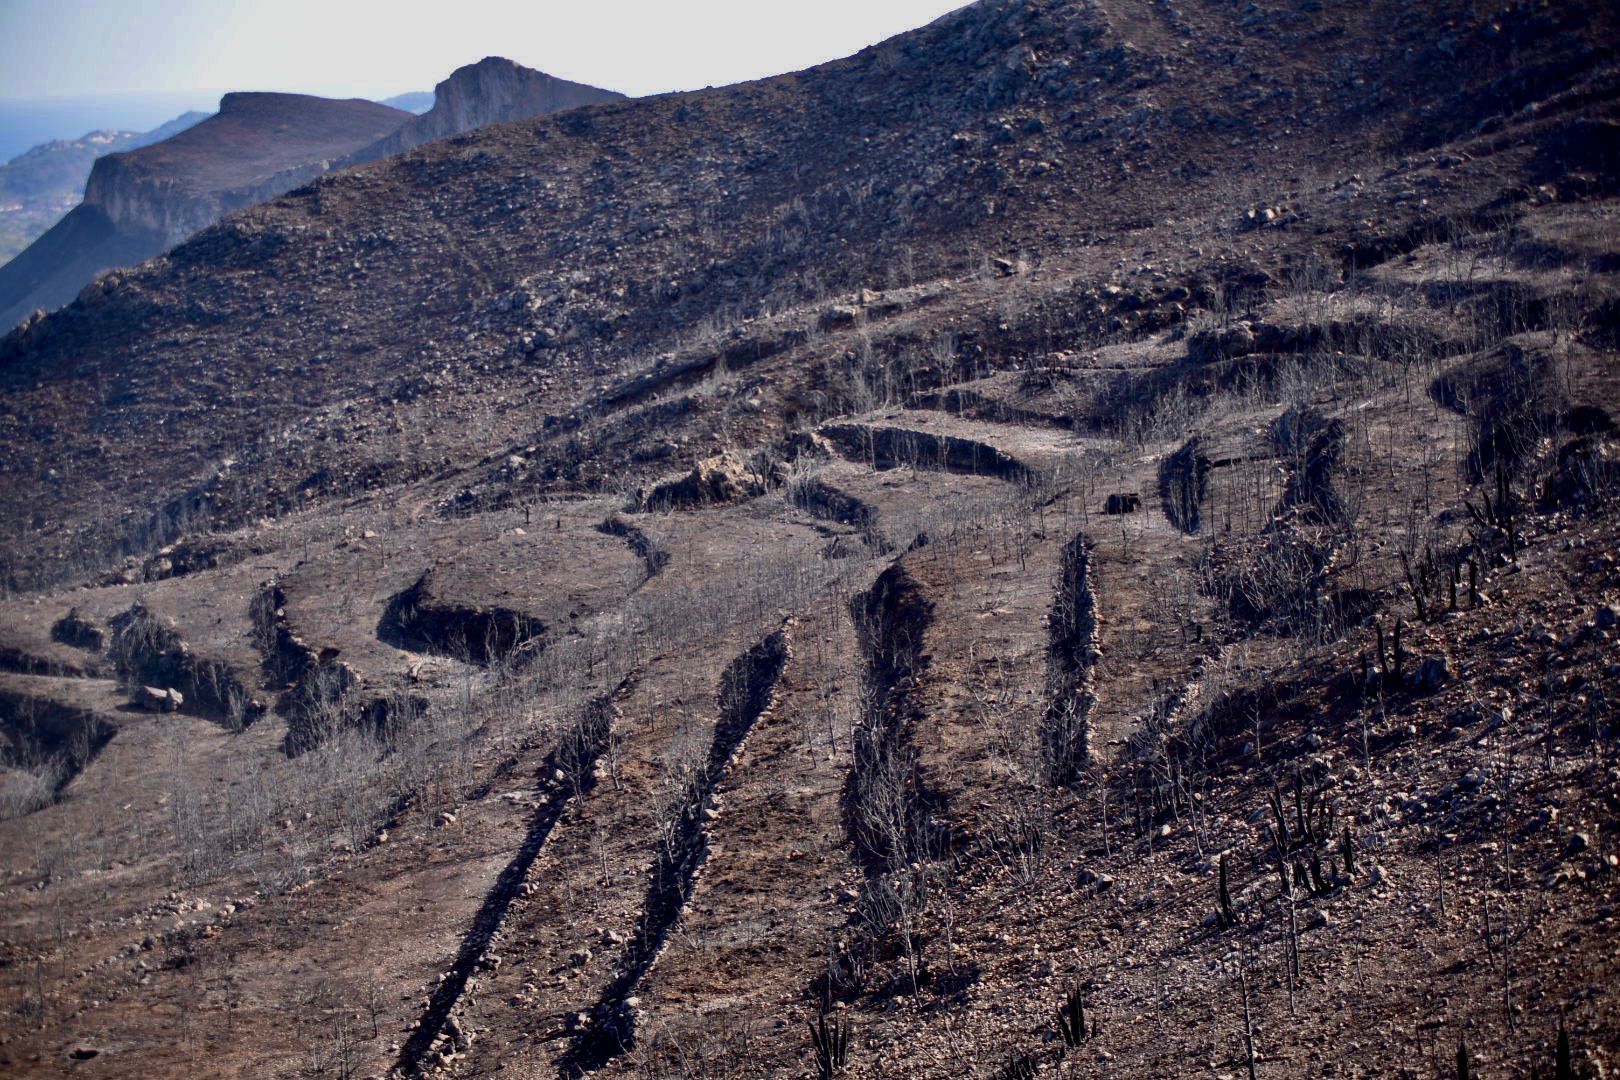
38, 187
141, 202
137, 205
1079, 541
492, 91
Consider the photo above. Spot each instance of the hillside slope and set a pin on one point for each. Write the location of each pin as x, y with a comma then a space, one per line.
587, 238
1081, 508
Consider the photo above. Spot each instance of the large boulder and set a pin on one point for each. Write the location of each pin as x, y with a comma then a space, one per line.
727, 477
153, 699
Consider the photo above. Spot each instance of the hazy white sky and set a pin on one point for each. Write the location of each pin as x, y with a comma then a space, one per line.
365, 48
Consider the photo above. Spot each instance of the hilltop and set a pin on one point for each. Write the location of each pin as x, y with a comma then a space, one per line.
493, 91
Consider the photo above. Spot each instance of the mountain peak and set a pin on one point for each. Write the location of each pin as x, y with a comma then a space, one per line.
492, 62
494, 90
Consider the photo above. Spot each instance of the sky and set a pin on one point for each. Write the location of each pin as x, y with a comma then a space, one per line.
363, 48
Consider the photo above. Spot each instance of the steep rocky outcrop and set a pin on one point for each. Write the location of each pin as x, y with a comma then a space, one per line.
721, 479
140, 203
492, 91
258, 146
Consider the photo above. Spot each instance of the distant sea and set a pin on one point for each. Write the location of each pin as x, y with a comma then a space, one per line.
25, 124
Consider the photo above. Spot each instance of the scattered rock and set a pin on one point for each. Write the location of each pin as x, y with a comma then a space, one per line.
76, 630
724, 478
1542, 819
1268, 217
1220, 343
1430, 675
840, 315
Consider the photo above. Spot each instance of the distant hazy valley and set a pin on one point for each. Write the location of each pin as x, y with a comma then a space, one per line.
41, 185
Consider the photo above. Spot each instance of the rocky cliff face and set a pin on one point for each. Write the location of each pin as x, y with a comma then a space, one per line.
257, 147
175, 208
159, 205
492, 91
139, 204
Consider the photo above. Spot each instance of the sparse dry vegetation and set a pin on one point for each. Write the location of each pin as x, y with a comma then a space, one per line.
926, 620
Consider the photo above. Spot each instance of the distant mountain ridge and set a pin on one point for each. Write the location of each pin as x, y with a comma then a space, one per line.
27, 122
417, 101
139, 203
258, 146
51, 167
493, 91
